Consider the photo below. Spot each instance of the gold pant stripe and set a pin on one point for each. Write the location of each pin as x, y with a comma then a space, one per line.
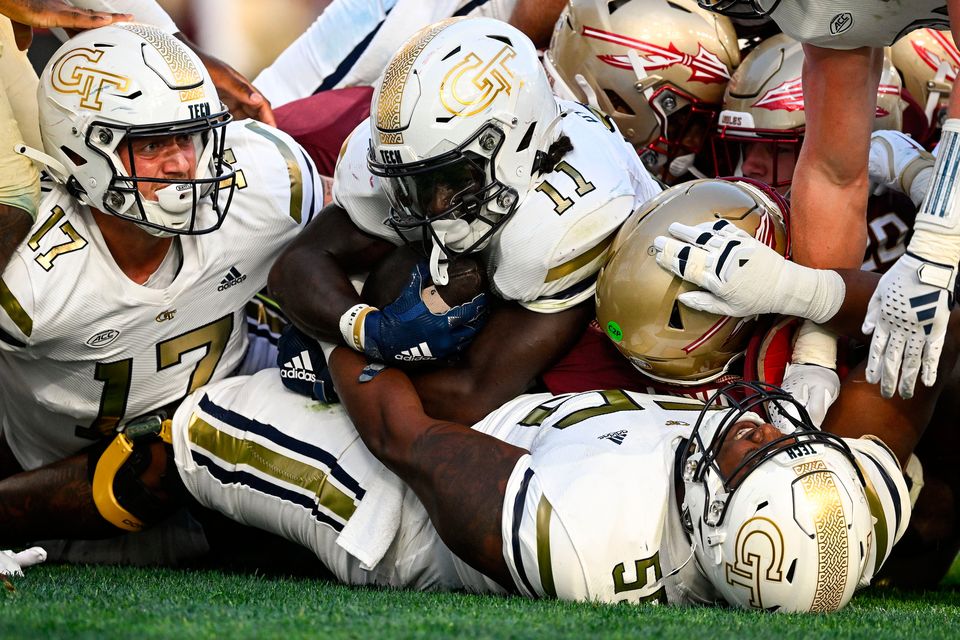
236, 451
580, 261
544, 562
10, 304
293, 167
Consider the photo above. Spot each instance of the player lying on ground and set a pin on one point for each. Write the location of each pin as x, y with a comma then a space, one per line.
600, 495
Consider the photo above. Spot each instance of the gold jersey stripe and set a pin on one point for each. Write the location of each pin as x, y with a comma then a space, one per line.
580, 261
10, 304
544, 562
293, 168
235, 451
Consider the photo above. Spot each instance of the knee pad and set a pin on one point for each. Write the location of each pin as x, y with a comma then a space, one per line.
129, 490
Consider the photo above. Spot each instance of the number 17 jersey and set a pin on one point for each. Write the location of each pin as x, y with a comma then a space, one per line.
83, 348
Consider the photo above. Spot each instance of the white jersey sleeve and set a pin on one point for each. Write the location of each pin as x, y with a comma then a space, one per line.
300, 192
352, 41
547, 256
359, 191
888, 498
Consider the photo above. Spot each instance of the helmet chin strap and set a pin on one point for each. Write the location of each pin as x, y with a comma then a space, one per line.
438, 267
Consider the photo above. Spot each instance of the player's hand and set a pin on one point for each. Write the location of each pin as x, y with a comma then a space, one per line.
242, 98
303, 367
47, 14
908, 315
407, 331
743, 277
897, 162
815, 387
12, 564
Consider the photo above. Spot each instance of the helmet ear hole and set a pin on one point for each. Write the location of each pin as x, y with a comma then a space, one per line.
676, 321
619, 104
75, 157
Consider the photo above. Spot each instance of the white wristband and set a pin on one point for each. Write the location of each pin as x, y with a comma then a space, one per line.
351, 325
815, 345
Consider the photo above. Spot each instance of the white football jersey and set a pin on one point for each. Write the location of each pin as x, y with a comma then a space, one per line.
82, 347
352, 41
848, 24
547, 256
590, 514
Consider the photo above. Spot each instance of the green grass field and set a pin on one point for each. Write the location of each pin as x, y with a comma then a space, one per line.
100, 602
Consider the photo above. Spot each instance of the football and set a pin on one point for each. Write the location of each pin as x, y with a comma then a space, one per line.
467, 279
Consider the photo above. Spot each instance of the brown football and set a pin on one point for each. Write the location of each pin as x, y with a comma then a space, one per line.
467, 279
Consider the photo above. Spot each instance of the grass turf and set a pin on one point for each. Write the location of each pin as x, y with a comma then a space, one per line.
102, 602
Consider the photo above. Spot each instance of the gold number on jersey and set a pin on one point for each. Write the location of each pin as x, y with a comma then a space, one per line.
117, 376
231, 159
614, 401
606, 120
643, 569
213, 337
560, 202
75, 242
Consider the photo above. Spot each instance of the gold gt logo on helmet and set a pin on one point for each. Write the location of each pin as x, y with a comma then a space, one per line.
76, 72
472, 84
759, 557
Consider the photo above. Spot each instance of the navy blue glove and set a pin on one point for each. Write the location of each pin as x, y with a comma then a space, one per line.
303, 369
407, 331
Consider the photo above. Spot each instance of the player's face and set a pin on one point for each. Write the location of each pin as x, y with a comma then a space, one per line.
741, 440
769, 163
163, 157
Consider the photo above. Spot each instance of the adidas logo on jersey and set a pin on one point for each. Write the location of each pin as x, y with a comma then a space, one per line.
299, 368
419, 352
614, 436
232, 278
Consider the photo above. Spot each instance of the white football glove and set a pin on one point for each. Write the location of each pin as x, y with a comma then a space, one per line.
899, 163
908, 315
815, 387
744, 277
910, 308
13, 564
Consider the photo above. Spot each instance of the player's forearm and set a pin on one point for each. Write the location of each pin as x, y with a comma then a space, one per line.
313, 291
533, 342
385, 409
828, 220
311, 277
536, 19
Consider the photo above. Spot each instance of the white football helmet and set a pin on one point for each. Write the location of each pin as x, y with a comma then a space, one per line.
459, 122
105, 88
790, 528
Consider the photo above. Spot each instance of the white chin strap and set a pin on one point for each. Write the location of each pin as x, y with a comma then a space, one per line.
454, 234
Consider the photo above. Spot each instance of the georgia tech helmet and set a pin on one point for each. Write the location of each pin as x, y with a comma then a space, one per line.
106, 88
458, 121
637, 303
788, 528
658, 68
928, 60
763, 103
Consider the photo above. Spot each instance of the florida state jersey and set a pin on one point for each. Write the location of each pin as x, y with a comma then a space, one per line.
848, 24
547, 255
590, 514
83, 348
